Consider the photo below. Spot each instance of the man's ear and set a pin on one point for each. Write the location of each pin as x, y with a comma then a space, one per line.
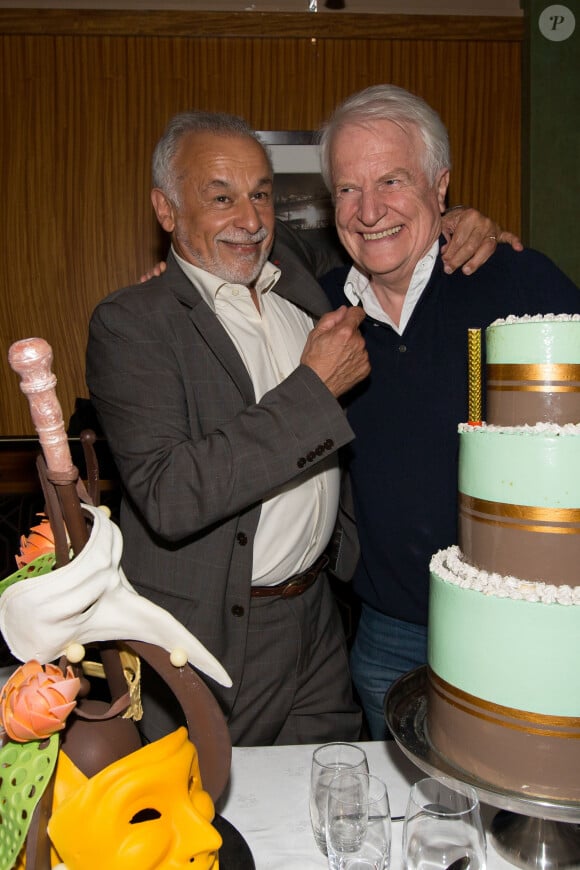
441, 186
163, 209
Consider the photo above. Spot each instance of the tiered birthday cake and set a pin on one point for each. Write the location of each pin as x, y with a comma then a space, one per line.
504, 610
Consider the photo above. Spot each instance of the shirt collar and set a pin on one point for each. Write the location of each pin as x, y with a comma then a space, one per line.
358, 290
210, 285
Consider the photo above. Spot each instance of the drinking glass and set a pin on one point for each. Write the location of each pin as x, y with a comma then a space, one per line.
443, 826
327, 761
358, 826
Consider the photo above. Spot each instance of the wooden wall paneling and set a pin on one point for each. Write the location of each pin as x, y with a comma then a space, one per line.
78, 176
81, 110
484, 120
175, 23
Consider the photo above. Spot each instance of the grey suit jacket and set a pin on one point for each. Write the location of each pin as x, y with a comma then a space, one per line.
197, 453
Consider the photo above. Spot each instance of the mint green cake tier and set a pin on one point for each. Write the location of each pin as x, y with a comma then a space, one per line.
533, 372
525, 341
519, 501
520, 654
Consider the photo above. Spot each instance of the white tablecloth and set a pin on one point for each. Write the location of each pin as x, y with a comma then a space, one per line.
267, 801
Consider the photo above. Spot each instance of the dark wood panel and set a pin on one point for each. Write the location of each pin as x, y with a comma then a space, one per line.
21, 498
19, 476
265, 24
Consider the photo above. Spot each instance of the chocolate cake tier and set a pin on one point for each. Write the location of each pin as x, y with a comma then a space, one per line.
530, 394
520, 541
533, 755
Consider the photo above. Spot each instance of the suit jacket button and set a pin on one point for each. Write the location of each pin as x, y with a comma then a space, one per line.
237, 610
328, 444
242, 539
319, 450
311, 455
301, 462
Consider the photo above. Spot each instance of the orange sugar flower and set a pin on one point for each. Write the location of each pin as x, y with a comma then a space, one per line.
36, 700
37, 543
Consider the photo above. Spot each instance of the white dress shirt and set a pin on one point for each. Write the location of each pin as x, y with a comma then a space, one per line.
296, 520
358, 291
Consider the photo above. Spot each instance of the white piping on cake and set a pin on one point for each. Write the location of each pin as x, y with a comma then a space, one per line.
450, 566
572, 429
535, 318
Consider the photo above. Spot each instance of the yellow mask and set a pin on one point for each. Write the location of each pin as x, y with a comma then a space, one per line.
147, 811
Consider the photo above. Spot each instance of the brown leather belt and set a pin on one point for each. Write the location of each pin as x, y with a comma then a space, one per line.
295, 585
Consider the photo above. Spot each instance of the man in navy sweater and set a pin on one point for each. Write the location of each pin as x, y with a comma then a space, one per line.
385, 158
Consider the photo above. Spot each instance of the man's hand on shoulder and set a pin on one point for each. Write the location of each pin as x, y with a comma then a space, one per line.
336, 350
157, 270
471, 239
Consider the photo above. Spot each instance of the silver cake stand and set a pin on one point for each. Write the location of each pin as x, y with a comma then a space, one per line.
530, 832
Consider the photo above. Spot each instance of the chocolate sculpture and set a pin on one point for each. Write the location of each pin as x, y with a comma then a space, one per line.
59, 608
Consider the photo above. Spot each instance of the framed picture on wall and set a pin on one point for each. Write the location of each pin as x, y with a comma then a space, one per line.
300, 195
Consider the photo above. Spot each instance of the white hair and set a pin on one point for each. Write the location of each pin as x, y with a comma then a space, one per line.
220, 123
389, 103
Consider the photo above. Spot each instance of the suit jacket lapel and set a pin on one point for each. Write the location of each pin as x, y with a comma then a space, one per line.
296, 284
210, 329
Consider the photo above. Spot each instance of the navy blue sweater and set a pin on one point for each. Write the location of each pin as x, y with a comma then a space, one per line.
403, 461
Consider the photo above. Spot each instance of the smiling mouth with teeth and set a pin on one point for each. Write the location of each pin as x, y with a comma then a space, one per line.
371, 237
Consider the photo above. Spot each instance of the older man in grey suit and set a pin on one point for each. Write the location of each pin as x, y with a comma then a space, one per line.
217, 387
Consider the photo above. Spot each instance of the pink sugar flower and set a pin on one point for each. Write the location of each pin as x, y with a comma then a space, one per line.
36, 700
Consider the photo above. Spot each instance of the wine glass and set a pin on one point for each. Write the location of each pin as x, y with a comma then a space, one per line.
443, 826
358, 826
327, 761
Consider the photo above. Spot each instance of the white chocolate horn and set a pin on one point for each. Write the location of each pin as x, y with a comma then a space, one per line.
90, 600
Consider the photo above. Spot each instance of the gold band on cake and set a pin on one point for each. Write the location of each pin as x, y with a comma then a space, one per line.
567, 727
545, 374
558, 521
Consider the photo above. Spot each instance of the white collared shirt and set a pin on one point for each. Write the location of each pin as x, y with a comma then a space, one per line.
358, 291
296, 520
